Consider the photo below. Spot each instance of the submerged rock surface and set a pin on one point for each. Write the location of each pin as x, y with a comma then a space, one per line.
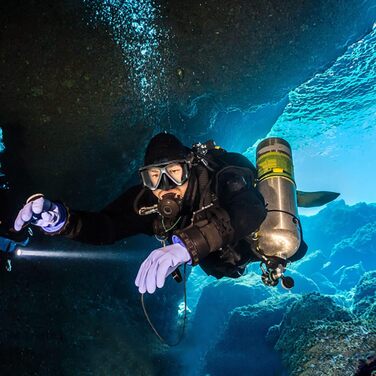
216, 303
243, 348
341, 246
312, 334
318, 337
365, 297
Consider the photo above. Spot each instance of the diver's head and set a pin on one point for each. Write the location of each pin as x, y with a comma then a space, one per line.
166, 169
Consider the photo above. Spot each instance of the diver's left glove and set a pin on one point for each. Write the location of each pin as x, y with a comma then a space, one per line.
50, 216
158, 265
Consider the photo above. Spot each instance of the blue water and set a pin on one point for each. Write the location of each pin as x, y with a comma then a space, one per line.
330, 121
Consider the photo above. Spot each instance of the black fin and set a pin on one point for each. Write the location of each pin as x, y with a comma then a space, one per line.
312, 199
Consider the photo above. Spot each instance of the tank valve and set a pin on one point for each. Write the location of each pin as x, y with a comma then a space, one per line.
287, 282
273, 270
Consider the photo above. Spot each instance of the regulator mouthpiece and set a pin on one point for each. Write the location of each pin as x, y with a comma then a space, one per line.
169, 206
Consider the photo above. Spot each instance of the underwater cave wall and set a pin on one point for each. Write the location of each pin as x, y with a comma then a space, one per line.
80, 123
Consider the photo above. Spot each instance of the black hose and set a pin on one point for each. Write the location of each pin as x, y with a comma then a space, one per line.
184, 318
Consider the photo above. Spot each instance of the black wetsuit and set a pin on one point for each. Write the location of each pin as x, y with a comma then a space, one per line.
215, 241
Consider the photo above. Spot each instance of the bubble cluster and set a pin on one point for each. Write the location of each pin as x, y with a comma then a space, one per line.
136, 26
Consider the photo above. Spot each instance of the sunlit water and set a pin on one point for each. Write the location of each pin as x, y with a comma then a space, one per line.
330, 124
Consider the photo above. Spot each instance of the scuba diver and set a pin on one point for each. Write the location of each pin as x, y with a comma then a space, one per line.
204, 205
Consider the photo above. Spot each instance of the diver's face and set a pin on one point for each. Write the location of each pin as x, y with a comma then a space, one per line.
179, 191
176, 173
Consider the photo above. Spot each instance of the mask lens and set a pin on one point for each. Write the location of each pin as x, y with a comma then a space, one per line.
154, 174
150, 179
177, 172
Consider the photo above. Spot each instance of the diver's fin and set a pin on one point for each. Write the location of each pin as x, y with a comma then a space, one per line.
311, 199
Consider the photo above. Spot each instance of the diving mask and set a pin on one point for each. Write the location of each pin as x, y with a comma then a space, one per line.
166, 175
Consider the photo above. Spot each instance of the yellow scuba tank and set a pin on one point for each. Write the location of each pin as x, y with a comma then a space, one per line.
280, 233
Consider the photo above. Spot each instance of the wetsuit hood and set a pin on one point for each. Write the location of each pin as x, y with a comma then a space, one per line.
164, 147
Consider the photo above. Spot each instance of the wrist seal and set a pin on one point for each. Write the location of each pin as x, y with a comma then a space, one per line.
65, 220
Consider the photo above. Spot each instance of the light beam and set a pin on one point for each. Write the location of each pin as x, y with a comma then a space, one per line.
109, 256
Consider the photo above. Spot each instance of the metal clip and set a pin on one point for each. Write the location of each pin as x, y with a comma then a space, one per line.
148, 210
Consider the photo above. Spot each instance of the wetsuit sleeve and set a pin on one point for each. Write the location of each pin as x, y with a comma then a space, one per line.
241, 210
116, 221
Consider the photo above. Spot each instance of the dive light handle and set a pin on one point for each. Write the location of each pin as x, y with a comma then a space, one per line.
56, 209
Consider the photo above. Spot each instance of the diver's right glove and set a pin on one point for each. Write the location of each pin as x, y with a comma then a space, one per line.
50, 216
158, 265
